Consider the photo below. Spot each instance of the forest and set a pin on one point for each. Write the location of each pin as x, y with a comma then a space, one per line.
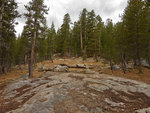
119, 43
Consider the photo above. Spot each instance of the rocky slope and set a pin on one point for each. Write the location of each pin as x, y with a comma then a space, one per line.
70, 92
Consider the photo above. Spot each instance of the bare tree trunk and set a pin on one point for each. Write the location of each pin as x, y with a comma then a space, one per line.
31, 60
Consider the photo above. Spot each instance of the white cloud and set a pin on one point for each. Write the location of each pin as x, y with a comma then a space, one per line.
58, 8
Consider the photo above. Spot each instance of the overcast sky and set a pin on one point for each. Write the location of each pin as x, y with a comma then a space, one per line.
58, 8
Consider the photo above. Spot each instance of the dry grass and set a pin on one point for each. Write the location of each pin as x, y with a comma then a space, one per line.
133, 74
17, 73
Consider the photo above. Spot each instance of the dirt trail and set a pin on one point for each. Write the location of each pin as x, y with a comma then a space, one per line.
75, 93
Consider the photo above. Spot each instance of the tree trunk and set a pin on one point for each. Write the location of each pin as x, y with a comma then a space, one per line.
135, 62
31, 61
123, 63
111, 66
139, 62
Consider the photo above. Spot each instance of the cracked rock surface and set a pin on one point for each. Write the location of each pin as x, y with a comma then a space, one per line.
58, 92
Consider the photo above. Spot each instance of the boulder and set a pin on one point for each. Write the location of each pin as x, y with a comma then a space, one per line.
91, 66
116, 67
25, 76
145, 63
43, 68
130, 66
88, 71
60, 68
73, 66
81, 66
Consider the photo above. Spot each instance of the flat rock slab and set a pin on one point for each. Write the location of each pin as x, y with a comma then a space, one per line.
57, 92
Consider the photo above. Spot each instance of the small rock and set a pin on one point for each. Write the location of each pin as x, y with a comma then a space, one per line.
85, 93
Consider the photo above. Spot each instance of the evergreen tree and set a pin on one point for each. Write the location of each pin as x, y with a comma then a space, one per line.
65, 33
109, 43
135, 26
98, 35
83, 25
8, 14
35, 14
91, 39
51, 42
121, 45
76, 39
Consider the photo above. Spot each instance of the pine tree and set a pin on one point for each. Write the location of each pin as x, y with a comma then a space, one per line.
121, 45
36, 10
51, 42
42, 45
8, 14
65, 33
147, 45
135, 23
98, 35
83, 25
91, 39
76, 39
109, 43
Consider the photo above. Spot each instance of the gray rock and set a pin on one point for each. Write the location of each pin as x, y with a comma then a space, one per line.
145, 110
113, 104
60, 68
25, 76
81, 66
43, 68
130, 66
55, 87
145, 63
90, 67
116, 67
97, 87
88, 71
73, 66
